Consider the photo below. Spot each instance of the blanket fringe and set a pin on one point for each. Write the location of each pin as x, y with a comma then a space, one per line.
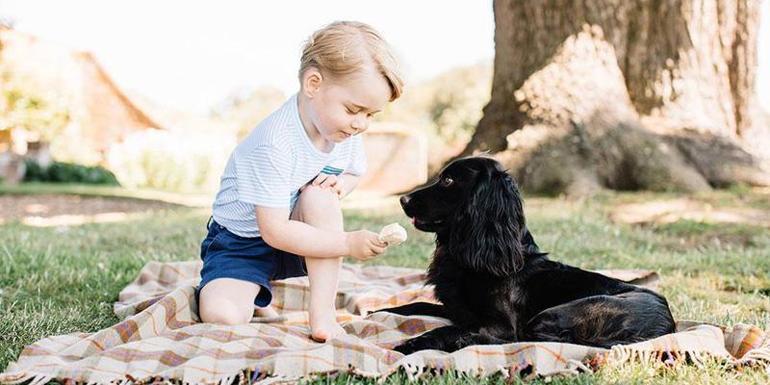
620, 354
577, 366
15, 378
756, 357
413, 372
34, 379
617, 355
40, 380
226, 380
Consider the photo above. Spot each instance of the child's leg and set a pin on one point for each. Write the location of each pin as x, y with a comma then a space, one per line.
321, 208
227, 301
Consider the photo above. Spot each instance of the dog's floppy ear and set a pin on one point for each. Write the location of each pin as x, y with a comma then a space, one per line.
487, 233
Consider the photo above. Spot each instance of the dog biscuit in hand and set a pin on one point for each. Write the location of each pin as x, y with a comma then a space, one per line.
393, 234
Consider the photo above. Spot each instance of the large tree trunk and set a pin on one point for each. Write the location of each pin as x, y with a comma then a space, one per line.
642, 94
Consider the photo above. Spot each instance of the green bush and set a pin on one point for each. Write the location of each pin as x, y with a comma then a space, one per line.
181, 161
60, 172
449, 105
42, 113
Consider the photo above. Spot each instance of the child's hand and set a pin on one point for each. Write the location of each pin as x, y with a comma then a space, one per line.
364, 244
327, 181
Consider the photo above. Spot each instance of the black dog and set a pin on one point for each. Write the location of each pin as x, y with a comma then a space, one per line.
497, 287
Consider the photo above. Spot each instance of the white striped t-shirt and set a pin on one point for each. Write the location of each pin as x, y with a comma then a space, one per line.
268, 168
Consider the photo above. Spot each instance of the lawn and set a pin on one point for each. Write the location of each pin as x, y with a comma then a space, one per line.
58, 280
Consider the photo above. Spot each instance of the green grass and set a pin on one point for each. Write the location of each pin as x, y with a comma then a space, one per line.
61, 280
30, 188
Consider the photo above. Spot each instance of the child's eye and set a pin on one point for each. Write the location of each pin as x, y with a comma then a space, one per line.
350, 111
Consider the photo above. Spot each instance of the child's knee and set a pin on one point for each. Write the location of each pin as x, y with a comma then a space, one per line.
227, 301
319, 194
314, 199
225, 312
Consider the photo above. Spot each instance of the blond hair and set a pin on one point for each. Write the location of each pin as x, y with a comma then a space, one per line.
344, 47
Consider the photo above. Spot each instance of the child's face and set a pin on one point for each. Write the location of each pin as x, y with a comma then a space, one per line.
344, 106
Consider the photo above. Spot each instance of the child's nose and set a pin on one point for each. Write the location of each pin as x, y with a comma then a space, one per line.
358, 124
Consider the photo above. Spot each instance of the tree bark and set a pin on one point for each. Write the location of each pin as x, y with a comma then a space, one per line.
642, 94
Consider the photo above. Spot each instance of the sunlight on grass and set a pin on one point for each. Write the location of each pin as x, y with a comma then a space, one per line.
76, 220
684, 209
184, 199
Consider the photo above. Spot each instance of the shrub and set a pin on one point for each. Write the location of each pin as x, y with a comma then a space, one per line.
42, 114
168, 160
60, 172
449, 105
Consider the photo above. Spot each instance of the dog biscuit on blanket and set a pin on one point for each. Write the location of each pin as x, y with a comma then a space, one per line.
393, 234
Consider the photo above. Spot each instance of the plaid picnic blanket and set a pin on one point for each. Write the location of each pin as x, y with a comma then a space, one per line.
160, 337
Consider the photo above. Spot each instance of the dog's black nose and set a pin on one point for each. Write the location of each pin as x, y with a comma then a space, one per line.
404, 200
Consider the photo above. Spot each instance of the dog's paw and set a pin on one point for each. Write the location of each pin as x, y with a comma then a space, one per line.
406, 348
392, 310
384, 310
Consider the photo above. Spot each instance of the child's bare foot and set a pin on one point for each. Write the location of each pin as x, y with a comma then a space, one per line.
324, 328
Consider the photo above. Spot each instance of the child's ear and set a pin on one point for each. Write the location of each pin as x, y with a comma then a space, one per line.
311, 81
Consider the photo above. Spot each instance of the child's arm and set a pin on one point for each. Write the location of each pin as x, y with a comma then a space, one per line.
300, 238
349, 182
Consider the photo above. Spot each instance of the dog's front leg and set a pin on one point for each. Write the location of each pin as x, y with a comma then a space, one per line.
448, 339
469, 339
418, 308
438, 339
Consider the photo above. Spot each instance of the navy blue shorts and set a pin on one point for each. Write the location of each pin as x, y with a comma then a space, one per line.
227, 255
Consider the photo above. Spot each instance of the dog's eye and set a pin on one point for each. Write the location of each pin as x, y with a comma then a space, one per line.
446, 181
